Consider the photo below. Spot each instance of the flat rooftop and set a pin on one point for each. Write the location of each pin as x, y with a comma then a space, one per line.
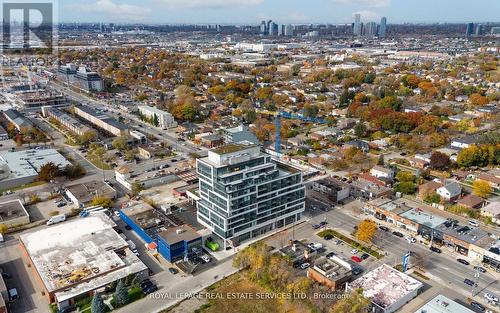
80, 255
423, 218
85, 192
462, 232
385, 285
28, 162
180, 233
231, 148
11, 210
397, 206
442, 304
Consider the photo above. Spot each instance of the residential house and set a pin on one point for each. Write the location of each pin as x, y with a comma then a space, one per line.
450, 192
471, 201
382, 172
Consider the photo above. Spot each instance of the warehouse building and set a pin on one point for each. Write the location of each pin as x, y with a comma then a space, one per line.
73, 259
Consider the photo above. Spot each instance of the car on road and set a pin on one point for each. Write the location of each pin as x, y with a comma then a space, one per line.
469, 282
478, 306
173, 270
356, 259
13, 295
479, 268
315, 245
384, 228
354, 251
411, 239
434, 249
398, 234
357, 271
323, 224
328, 237
473, 223
491, 297
305, 265
134, 251
205, 258
6, 275
464, 262
315, 226
330, 254
365, 256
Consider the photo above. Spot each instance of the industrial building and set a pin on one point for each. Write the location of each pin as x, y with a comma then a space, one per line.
174, 242
73, 259
102, 121
65, 120
17, 119
165, 119
245, 194
21, 167
332, 272
82, 194
13, 213
387, 288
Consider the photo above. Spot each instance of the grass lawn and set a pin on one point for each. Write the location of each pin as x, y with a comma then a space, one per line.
100, 164
351, 242
222, 300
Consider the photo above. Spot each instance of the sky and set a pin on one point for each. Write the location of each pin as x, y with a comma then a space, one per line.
281, 11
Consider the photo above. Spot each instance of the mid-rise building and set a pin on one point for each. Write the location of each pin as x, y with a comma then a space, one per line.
102, 120
469, 30
245, 194
65, 120
88, 80
165, 119
288, 30
239, 134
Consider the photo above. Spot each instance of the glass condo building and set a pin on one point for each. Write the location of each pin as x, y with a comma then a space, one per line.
244, 194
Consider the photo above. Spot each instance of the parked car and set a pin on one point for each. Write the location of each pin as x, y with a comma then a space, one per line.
434, 249
328, 237
150, 289
479, 268
411, 239
357, 271
305, 265
356, 259
145, 283
469, 282
365, 256
323, 224
173, 270
398, 234
329, 255
473, 223
315, 226
478, 306
205, 258
464, 262
13, 295
354, 251
383, 228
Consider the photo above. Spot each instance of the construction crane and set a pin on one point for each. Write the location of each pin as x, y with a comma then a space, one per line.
277, 123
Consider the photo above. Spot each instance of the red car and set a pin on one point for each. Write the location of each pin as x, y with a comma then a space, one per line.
356, 259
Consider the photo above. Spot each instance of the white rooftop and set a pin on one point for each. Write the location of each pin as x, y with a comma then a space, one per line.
442, 304
27, 163
80, 255
385, 285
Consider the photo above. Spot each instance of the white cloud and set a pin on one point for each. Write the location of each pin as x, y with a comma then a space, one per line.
367, 16
114, 10
366, 3
210, 4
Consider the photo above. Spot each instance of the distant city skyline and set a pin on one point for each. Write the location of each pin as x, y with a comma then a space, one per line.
280, 11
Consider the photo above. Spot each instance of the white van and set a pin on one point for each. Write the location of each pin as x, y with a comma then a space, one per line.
56, 219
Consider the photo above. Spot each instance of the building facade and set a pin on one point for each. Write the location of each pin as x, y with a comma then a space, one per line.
165, 119
245, 194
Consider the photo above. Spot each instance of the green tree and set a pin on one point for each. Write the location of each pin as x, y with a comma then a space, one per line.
360, 130
3, 229
156, 122
121, 294
97, 305
380, 160
136, 188
405, 176
121, 143
250, 116
406, 187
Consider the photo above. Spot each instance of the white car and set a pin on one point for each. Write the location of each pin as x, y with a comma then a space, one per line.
304, 265
354, 251
490, 297
411, 239
205, 258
